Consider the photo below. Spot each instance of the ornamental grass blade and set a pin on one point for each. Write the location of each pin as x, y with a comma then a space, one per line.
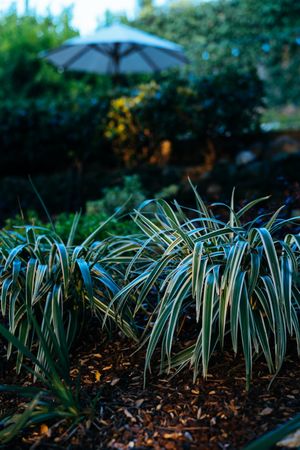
16, 423
203, 209
232, 269
250, 205
87, 279
175, 313
152, 278
73, 229
5, 294
196, 265
279, 326
287, 280
264, 338
207, 314
245, 333
64, 264
235, 308
270, 439
155, 335
13, 253
19, 345
271, 255
256, 257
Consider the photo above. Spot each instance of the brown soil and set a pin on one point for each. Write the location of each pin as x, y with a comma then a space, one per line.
170, 413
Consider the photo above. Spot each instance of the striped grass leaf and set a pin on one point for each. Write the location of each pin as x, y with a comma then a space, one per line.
230, 277
269, 440
207, 315
54, 398
40, 266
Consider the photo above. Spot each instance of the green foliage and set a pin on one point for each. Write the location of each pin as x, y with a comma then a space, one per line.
130, 195
39, 270
191, 281
72, 132
46, 115
227, 280
49, 288
235, 34
57, 396
62, 132
70, 119
59, 132
226, 104
86, 225
22, 72
278, 119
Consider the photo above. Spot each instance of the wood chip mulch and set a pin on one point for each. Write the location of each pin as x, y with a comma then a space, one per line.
170, 413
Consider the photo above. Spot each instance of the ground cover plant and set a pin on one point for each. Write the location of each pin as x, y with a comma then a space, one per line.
87, 224
101, 211
230, 281
57, 396
49, 290
193, 286
39, 270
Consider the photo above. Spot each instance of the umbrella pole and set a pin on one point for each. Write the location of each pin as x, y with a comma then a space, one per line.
116, 77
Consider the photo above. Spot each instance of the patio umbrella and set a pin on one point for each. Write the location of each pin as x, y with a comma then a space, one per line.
117, 49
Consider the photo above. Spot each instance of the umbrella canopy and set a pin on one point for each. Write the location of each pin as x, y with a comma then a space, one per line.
117, 49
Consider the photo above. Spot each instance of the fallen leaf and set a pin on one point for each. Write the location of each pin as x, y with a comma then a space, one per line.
213, 421
97, 375
139, 402
128, 414
44, 429
199, 413
266, 411
172, 435
188, 436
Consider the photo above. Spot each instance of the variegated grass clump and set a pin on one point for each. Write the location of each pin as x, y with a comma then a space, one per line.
57, 396
236, 280
45, 278
48, 290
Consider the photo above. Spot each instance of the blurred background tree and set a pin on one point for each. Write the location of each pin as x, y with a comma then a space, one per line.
238, 34
54, 123
221, 34
22, 73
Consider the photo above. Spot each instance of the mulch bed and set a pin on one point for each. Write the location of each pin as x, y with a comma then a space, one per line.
170, 413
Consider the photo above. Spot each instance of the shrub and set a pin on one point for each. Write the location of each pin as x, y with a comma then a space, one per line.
215, 280
130, 195
63, 132
86, 225
226, 105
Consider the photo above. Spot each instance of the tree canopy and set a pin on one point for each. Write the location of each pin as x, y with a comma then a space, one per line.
23, 72
236, 33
